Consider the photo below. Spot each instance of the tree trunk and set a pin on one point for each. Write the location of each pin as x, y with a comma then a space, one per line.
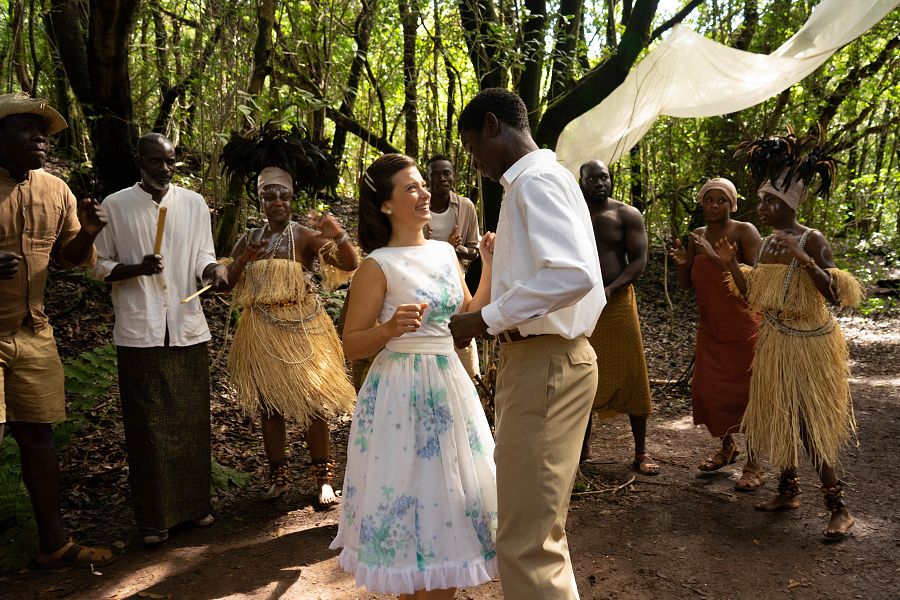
478, 19
362, 34
602, 80
568, 30
533, 30
17, 57
262, 49
409, 17
113, 131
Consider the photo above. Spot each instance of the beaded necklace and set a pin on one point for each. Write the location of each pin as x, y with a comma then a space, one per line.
777, 320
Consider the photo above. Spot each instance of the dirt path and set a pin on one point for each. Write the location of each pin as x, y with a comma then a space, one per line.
677, 535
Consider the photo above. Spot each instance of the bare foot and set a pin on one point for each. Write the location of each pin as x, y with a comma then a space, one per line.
327, 497
644, 465
840, 524
779, 502
274, 491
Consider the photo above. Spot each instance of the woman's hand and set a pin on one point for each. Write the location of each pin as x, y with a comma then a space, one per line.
678, 254
783, 242
252, 252
725, 251
326, 224
701, 242
407, 318
486, 247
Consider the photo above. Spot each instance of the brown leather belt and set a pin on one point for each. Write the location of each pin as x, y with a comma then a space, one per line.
513, 335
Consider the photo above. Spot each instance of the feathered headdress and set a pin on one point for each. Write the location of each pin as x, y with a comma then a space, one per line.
780, 161
308, 162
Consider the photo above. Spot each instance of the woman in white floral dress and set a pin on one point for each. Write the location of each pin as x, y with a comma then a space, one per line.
419, 512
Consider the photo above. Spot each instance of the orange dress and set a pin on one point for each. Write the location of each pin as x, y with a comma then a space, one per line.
726, 336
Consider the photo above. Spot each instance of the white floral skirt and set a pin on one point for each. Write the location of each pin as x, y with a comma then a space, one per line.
419, 508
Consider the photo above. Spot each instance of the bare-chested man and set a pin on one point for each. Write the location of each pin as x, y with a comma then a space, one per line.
622, 247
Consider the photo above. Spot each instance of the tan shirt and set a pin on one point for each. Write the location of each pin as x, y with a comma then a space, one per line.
38, 219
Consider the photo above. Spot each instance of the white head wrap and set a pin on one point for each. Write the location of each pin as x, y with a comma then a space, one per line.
719, 183
274, 176
793, 196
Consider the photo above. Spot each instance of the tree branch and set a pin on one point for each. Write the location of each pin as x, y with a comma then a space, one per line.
675, 20
361, 131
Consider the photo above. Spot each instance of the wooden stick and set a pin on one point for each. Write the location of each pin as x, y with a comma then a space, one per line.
195, 294
160, 228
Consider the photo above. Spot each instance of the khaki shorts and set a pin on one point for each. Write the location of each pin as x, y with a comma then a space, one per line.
31, 374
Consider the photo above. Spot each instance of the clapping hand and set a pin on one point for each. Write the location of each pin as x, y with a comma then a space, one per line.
252, 251
407, 318
678, 254
726, 252
92, 216
325, 223
783, 242
455, 239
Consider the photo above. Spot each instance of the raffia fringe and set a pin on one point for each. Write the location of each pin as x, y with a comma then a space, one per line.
332, 277
299, 374
799, 386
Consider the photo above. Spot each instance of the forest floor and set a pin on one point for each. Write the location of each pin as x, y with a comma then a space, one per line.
677, 535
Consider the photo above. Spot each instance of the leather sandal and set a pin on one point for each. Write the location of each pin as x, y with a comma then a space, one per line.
75, 555
751, 479
720, 459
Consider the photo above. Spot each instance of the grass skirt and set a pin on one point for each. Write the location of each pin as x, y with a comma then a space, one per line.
798, 388
286, 357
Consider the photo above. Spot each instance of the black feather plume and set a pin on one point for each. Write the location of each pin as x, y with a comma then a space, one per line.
308, 161
794, 158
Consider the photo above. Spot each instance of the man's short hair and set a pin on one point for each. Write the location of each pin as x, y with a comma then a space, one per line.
149, 139
504, 104
436, 158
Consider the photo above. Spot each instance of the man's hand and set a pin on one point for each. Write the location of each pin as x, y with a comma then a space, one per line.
151, 265
9, 264
455, 239
467, 326
91, 216
219, 278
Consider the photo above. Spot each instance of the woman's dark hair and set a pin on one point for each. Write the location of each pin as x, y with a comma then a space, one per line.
505, 105
375, 186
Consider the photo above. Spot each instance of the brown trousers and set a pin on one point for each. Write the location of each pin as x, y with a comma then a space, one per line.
545, 388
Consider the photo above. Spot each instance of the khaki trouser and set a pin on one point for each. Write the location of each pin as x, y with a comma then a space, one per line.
545, 388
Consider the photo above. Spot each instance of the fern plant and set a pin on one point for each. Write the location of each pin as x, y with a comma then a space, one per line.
88, 378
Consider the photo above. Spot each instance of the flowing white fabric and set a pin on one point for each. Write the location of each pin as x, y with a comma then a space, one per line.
688, 75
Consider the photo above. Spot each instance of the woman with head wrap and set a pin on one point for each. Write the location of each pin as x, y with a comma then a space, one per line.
286, 359
799, 394
726, 331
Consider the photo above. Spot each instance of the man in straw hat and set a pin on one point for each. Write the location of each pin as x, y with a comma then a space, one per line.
39, 219
161, 342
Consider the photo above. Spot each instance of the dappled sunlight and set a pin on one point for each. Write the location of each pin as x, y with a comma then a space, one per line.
680, 424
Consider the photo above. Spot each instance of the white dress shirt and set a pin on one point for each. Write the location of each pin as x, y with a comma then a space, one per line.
146, 305
546, 271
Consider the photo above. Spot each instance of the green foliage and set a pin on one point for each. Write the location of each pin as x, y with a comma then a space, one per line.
88, 378
223, 477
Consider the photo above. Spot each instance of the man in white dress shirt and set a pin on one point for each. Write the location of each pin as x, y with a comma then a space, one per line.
161, 343
546, 296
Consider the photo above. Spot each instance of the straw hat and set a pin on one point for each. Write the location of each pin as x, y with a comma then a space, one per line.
23, 104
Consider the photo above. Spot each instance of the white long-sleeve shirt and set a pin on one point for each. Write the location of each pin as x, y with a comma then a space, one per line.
546, 271
145, 306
